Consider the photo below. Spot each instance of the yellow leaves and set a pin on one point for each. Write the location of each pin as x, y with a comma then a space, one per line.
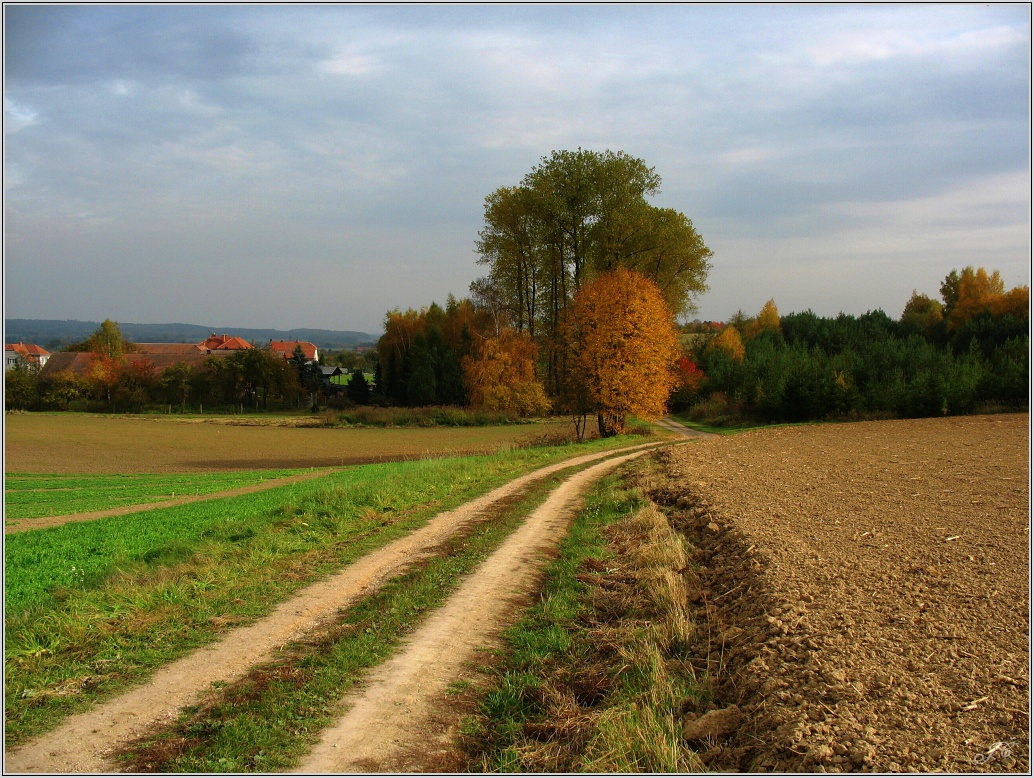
767, 319
500, 375
978, 292
729, 341
622, 348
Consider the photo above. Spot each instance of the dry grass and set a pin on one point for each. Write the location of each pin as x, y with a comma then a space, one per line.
597, 682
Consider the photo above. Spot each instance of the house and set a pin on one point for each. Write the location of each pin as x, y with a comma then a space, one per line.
223, 344
24, 353
77, 362
328, 372
285, 348
168, 348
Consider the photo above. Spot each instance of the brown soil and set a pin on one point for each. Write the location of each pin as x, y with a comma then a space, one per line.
82, 443
863, 592
21, 525
83, 742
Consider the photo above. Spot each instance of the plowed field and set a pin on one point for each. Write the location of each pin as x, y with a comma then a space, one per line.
865, 590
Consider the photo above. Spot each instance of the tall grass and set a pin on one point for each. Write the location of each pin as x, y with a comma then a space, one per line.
592, 679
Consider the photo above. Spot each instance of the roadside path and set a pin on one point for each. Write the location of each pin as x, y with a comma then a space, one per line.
22, 525
82, 743
670, 425
394, 723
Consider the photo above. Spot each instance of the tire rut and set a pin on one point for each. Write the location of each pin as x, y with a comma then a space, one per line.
396, 723
84, 741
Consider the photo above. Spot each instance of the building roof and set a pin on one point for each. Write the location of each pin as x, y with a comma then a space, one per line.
286, 348
27, 350
168, 348
77, 362
331, 370
223, 343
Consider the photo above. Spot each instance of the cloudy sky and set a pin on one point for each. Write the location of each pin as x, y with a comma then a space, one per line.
274, 166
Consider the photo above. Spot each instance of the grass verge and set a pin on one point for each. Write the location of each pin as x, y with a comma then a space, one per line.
94, 607
267, 721
594, 678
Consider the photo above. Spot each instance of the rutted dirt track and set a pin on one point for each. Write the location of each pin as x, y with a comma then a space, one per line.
82, 743
390, 716
863, 592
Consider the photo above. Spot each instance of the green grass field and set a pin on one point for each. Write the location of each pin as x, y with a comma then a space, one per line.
93, 607
31, 495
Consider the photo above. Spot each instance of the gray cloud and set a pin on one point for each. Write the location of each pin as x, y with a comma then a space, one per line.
326, 163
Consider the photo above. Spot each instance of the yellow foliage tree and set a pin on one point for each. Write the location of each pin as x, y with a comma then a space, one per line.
500, 375
622, 349
729, 341
767, 319
977, 292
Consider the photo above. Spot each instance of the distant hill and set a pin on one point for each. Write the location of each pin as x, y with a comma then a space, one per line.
54, 334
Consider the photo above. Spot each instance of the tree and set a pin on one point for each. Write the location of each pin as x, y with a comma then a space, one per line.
922, 315
107, 341
977, 292
500, 375
358, 389
576, 215
767, 320
63, 388
729, 341
622, 348
21, 387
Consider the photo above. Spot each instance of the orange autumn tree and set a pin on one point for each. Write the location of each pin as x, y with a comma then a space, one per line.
622, 349
500, 375
729, 341
971, 293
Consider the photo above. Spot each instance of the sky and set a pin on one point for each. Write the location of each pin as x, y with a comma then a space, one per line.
317, 166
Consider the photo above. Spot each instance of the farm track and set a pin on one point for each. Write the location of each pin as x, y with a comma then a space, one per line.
400, 721
43, 522
83, 741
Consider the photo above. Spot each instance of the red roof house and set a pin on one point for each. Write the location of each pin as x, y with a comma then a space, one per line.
285, 348
222, 343
26, 353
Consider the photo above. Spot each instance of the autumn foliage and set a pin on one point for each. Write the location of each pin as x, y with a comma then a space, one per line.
500, 375
622, 349
729, 341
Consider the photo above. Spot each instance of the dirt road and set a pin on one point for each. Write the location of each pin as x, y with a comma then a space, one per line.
865, 590
82, 743
395, 723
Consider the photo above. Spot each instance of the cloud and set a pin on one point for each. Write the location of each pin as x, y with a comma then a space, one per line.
17, 116
272, 139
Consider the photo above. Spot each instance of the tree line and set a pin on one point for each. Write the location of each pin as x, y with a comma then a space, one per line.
966, 352
576, 315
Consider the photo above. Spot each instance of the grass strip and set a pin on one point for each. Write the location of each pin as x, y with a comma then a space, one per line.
593, 679
94, 607
269, 720
30, 496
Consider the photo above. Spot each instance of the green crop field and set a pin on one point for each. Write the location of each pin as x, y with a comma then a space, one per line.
30, 495
95, 606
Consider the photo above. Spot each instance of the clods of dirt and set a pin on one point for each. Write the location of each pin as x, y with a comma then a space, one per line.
862, 592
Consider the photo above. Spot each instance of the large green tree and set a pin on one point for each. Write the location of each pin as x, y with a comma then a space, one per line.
577, 215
